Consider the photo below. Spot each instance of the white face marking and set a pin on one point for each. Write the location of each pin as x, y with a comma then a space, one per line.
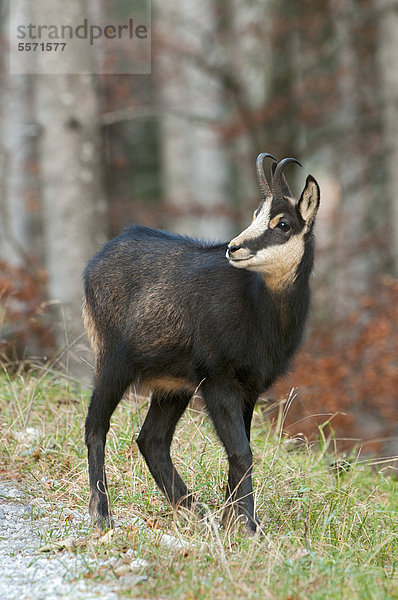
257, 227
278, 264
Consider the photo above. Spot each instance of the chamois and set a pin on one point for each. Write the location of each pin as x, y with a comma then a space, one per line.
173, 313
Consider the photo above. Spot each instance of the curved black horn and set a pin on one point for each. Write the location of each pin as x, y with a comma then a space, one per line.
262, 182
277, 185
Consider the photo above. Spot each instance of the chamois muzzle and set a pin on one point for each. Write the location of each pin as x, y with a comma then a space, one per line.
236, 252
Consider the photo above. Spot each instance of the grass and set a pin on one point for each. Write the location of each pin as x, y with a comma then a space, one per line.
329, 533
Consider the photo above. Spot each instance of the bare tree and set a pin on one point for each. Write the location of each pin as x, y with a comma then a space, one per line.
388, 60
353, 267
70, 156
246, 76
14, 148
193, 157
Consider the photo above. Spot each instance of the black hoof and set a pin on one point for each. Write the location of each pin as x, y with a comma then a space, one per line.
232, 519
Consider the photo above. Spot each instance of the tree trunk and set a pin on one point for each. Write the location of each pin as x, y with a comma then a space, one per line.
73, 195
14, 149
248, 65
353, 263
193, 158
70, 156
388, 60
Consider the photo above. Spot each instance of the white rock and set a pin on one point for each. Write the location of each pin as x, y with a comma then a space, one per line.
173, 542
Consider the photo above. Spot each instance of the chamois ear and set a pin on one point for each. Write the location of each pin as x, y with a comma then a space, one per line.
309, 201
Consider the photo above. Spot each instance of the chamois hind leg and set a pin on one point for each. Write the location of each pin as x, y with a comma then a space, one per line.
225, 405
112, 381
154, 442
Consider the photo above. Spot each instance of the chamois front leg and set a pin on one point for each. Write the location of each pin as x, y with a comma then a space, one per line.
230, 515
154, 442
225, 406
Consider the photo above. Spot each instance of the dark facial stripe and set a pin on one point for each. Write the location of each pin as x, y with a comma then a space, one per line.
265, 240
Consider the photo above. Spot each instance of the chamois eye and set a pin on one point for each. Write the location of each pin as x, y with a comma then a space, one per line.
283, 226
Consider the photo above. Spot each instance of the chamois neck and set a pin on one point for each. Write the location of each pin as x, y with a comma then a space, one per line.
291, 301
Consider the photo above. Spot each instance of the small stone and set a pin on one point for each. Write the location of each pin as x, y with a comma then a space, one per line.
173, 542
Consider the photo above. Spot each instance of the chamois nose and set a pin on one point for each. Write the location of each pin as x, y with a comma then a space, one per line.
237, 252
233, 248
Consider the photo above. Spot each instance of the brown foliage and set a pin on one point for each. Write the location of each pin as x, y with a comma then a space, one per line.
22, 319
348, 370
351, 371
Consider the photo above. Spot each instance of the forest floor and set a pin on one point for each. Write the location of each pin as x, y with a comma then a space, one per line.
29, 568
331, 526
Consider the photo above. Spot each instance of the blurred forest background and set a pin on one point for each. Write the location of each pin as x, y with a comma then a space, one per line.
82, 156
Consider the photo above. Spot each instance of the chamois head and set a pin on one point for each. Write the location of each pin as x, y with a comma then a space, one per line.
274, 243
